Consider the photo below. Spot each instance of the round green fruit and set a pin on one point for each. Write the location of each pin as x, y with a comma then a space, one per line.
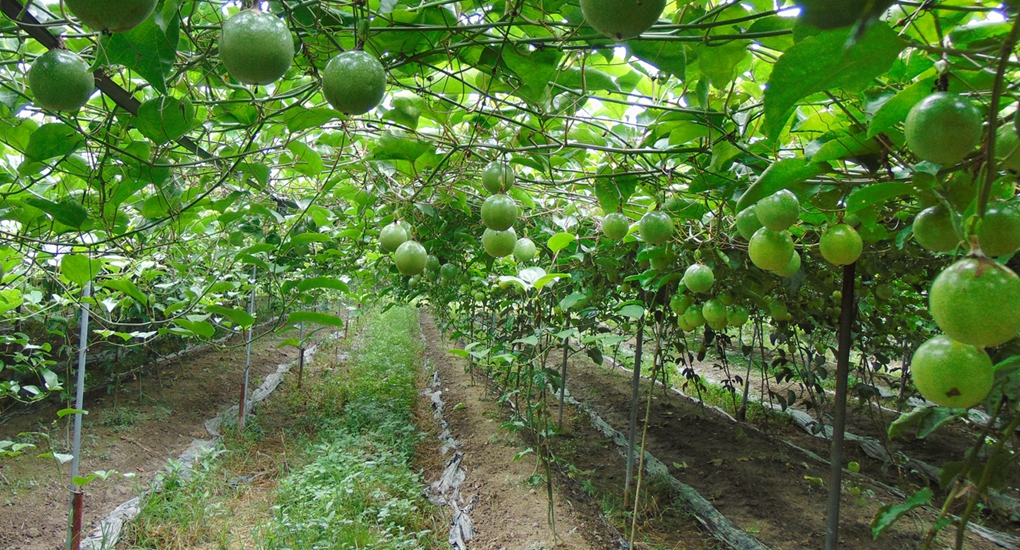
1007, 148
841, 245
432, 263
499, 212
662, 261
655, 227
354, 82
698, 278
951, 373
717, 325
737, 316
449, 272
778, 211
694, 316
679, 303
479, 296
525, 250
999, 232
499, 243
164, 119
410, 258
727, 298
256, 47
615, 226
622, 19
392, 236
748, 222
60, 81
682, 324
714, 312
770, 250
933, 229
977, 301
498, 177
943, 128
779, 311
791, 268
884, 292
111, 15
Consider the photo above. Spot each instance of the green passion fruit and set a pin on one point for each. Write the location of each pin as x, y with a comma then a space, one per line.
1007, 148
779, 311
354, 82
770, 250
933, 229
655, 227
615, 226
748, 222
449, 272
791, 268
778, 211
525, 250
60, 81
679, 303
256, 47
698, 278
694, 316
392, 236
499, 243
499, 212
622, 19
714, 312
737, 316
432, 263
111, 15
943, 128
410, 258
977, 301
951, 373
498, 177
841, 245
999, 232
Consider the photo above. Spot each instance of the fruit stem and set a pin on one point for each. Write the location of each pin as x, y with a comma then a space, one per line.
993, 116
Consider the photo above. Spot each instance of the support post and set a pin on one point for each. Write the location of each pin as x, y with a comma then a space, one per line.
635, 391
77, 497
242, 409
846, 319
301, 353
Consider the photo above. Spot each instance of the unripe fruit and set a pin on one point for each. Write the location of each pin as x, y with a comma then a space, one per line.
791, 268
615, 226
714, 312
448, 272
952, 374
499, 243
977, 301
60, 81
694, 316
679, 303
778, 211
410, 258
698, 278
525, 250
622, 19
748, 222
392, 236
498, 177
256, 47
933, 229
1007, 148
943, 128
999, 232
655, 227
841, 245
111, 15
499, 212
779, 311
770, 250
354, 82
727, 298
432, 263
737, 316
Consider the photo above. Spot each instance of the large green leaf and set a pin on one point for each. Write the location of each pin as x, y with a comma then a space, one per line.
535, 68
315, 317
67, 211
780, 175
306, 160
127, 287
238, 316
79, 269
668, 57
888, 514
53, 140
149, 49
876, 193
718, 62
895, 110
824, 62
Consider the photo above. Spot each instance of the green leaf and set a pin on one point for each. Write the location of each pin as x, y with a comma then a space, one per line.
718, 62
560, 241
79, 269
303, 119
780, 175
875, 193
549, 278
238, 316
594, 79
535, 68
633, 311
823, 62
315, 317
127, 287
200, 328
888, 514
64, 412
53, 140
322, 282
391, 147
148, 49
895, 110
67, 211
572, 300
10, 298
845, 145
668, 57
611, 192
306, 160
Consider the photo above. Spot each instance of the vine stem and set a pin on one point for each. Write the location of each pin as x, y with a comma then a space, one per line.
986, 477
993, 117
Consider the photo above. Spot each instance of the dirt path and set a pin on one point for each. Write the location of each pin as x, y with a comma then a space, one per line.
135, 431
508, 513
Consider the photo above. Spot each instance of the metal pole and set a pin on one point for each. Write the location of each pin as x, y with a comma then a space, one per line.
74, 540
242, 412
635, 390
301, 353
846, 318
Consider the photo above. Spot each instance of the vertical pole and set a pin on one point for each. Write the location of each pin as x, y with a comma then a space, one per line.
242, 410
846, 318
77, 500
301, 352
635, 390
